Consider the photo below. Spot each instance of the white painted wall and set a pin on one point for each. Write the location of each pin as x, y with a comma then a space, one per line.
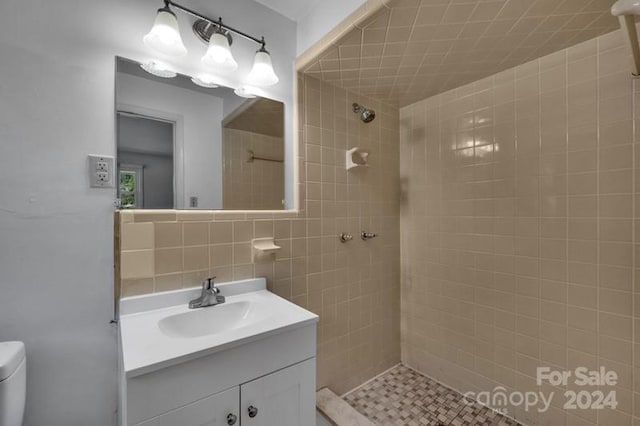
202, 133
321, 19
56, 251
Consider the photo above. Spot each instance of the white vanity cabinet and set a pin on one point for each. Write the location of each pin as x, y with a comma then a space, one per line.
260, 372
283, 398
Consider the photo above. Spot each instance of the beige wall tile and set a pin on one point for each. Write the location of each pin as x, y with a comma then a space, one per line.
137, 264
221, 232
196, 258
137, 236
242, 231
169, 260
168, 234
168, 282
136, 286
195, 233
221, 255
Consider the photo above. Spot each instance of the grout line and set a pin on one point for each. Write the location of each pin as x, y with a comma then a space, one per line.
598, 200
633, 247
567, 212
540, 155
515, 225
598, 147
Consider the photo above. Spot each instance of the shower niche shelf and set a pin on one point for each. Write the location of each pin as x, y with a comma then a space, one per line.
357, 158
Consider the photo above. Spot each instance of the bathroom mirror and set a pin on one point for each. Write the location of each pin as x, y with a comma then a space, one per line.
181, 145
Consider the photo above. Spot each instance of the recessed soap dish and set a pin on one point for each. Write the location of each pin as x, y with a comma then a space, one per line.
357, 158
262, 247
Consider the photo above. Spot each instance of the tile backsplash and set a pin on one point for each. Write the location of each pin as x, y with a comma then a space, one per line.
354, 287
183, 250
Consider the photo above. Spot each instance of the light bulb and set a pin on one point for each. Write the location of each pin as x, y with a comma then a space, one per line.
158, 69
218, 54
245, 92
165, 34
205, 80
262, 73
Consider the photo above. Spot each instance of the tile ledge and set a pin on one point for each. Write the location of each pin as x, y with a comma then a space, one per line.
338, 410
354, 20
168, 215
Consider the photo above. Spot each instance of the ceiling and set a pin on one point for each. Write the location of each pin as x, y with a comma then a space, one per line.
414, 49
260, 115
292, 9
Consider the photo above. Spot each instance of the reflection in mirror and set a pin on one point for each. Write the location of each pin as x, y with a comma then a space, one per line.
184, 146
145, 150
253, 152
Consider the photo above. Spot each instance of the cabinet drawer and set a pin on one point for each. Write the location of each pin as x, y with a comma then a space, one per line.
210, 411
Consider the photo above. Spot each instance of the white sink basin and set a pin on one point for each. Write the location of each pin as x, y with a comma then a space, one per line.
212, 319
159, 330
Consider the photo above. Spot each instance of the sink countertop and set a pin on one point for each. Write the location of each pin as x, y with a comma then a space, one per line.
146, 347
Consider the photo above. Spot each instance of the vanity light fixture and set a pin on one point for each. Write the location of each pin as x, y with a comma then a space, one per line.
262, 73
218, 55
165, 38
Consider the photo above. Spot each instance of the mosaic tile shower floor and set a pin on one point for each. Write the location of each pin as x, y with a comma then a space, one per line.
403, 397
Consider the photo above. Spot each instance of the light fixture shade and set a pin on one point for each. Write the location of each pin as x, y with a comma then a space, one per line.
262, 73
165, 34
219, 55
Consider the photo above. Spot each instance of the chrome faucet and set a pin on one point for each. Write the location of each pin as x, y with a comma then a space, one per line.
210, 295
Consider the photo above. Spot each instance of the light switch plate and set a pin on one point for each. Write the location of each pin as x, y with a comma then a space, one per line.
101, 171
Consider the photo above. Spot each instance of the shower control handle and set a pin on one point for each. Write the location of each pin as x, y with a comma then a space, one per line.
232, 419
367, 235
345, 237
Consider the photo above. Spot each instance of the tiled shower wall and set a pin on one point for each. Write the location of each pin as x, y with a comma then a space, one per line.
519, 232
354, 287
253, 185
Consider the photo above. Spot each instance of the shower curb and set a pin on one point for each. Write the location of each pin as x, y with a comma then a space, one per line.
338, 411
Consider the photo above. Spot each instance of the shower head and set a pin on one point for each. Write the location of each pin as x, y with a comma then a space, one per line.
366, 115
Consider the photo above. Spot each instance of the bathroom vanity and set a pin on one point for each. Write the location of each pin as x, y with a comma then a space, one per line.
248, 361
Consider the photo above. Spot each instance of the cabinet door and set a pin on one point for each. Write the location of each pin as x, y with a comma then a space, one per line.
284, 398
211, 411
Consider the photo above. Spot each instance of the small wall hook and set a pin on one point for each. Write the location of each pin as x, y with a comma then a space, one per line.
367, 235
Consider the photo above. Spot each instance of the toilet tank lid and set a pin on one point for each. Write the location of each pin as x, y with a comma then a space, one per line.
11, 355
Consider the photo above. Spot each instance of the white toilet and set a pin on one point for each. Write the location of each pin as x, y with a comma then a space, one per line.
13, 383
